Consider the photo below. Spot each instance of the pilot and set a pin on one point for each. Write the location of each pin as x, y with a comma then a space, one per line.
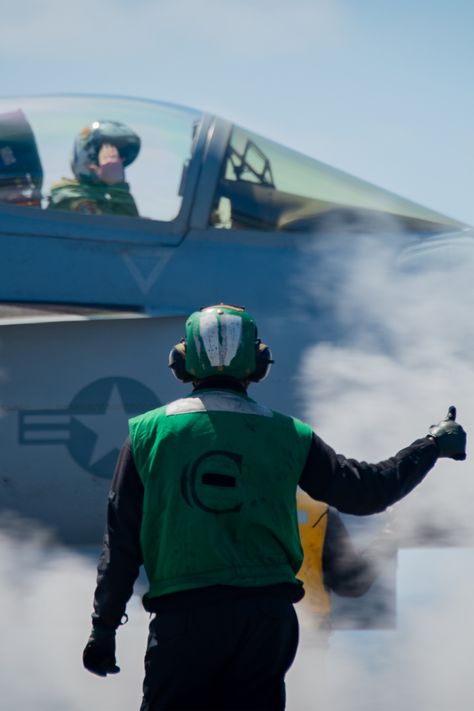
21, 172
204, 495
101, 153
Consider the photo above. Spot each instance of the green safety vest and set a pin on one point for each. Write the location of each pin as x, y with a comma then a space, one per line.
220, 474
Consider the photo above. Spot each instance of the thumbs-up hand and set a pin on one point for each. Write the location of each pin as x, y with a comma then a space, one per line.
449, 436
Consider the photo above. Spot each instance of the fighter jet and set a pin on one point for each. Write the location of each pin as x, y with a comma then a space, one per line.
119, 217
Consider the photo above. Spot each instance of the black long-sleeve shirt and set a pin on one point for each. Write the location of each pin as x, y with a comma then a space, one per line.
350, 486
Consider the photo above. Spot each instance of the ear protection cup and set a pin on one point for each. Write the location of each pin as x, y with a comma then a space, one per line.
177, 362
263, 362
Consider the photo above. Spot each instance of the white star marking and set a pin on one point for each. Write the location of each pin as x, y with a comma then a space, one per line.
109, 427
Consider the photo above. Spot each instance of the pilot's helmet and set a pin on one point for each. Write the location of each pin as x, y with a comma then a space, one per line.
93, 136
220, 340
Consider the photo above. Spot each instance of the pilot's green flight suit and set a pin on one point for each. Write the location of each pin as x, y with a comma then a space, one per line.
92, 197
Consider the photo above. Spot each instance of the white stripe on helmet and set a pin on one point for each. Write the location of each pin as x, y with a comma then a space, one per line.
220, 351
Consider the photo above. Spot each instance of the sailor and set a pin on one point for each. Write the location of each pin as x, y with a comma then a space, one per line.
102, 151
204, 495
333, 564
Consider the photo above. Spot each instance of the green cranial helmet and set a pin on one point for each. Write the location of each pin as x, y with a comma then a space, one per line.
221, 340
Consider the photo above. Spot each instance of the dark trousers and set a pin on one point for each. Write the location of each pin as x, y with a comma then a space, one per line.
228, 656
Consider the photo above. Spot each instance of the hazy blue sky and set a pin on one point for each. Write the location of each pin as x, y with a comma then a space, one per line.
381, 89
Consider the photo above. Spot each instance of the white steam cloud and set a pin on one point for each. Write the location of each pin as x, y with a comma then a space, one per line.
425, 663
46, 601
399, 352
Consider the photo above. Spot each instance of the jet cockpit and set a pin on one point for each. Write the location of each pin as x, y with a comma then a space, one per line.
176, 176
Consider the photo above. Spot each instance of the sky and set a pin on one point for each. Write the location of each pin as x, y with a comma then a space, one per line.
379, 89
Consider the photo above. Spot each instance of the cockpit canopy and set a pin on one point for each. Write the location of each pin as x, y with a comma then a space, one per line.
266, 186
261, 185
48, 128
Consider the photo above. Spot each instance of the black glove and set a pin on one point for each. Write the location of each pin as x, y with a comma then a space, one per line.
99, 654
449, 436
